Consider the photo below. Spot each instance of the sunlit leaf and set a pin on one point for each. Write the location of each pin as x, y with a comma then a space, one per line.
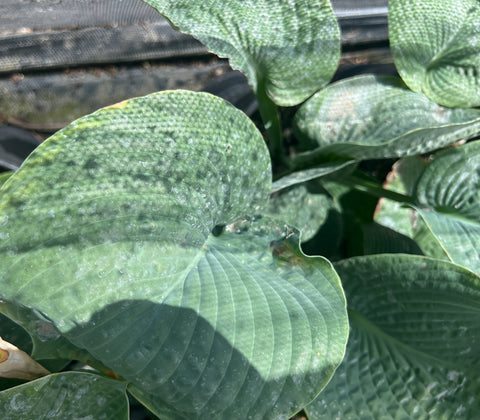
436, 48
448, 194
319, 171
369, 117
292, 48
414, 345
143, 253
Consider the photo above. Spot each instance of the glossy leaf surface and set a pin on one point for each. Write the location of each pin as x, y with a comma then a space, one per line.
290, 47
414, 345
70, 395
436, 48
448, 194
128, 252
359, 117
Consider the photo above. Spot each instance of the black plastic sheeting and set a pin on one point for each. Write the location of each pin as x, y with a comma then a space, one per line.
15, 145
64, 33
60, 59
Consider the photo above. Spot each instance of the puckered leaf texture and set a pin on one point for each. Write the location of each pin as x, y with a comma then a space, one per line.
134, 238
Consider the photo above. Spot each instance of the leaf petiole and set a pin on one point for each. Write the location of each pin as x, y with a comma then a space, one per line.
271, 121
372, 188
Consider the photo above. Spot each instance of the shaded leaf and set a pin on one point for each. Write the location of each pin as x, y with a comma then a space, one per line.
70, 395
358, 118
133, 268
291, 47
14, 333
414, 344
299, 208
329, 236
378, 239
448, 194
436, 48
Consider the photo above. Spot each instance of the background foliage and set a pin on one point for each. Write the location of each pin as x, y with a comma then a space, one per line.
147, 242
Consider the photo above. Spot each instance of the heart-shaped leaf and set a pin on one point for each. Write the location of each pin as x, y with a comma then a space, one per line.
448, 194
70, 395
291, 49
414, 346
436, 48
359, 118
127, 235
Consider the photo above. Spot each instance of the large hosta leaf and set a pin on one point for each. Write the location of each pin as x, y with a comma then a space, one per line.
436, 48
414, 346
359, 117
448, 194
107, 242
291, 47
71, 395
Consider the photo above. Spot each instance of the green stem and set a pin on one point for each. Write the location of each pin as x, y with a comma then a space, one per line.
271, 121
373, 189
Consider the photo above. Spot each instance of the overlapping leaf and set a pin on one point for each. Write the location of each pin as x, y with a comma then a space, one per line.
448, 194
305, 175
291, 47
402, 179
300, 208
414, 346
359, 117
71, 395
378, 239
402, 218
436, 48
121, 261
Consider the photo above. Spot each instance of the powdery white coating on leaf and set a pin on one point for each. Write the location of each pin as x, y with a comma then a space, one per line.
448, 194
292, 46
130, 271
66, 395
436, 48
358, 117
410, 319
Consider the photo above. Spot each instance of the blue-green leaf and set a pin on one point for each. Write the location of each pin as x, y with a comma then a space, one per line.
291, 47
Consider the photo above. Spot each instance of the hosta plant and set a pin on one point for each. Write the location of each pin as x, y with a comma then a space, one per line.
146, 256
